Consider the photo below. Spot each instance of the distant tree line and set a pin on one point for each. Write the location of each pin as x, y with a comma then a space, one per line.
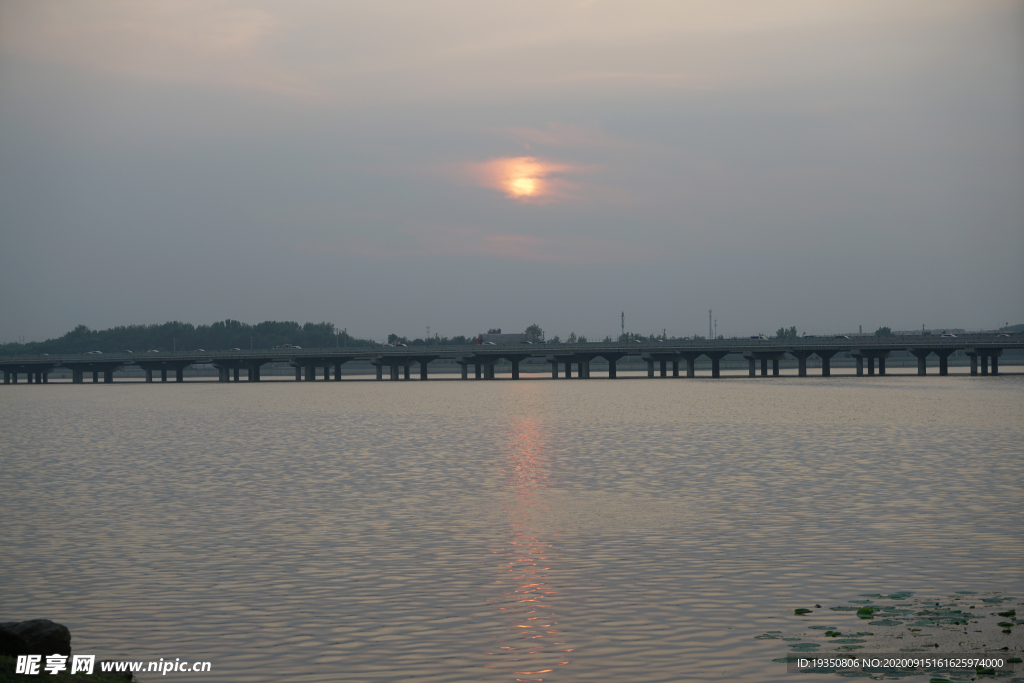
181, 336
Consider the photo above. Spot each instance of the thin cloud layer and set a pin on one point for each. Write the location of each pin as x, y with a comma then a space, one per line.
527, 179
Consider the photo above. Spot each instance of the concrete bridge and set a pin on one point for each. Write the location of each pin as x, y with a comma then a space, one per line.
983, 350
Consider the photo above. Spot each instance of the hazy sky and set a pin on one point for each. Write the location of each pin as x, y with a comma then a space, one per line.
466, 164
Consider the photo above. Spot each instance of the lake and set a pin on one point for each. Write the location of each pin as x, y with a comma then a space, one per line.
628, 530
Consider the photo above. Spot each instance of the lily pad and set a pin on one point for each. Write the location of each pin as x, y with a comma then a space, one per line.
802, 610
804, 647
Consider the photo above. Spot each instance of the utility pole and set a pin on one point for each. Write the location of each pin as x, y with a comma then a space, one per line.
711, 328
623, 322
716, 328
428, 334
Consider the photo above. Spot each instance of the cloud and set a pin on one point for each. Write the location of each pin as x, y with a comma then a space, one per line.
568, 135
440, 241
528, 179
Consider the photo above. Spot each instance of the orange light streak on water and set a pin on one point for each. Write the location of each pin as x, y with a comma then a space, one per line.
536, 645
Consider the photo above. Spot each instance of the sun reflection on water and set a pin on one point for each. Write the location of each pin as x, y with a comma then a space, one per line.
531, 645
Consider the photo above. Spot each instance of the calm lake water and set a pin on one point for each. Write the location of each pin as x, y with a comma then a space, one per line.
631, 530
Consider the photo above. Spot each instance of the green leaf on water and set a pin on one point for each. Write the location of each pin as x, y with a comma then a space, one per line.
865, 612
1011, 613
804, 647
802, 610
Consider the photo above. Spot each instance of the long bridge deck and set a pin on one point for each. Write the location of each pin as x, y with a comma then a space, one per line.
983, 350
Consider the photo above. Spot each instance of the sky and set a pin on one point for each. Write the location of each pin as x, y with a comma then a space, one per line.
464, 165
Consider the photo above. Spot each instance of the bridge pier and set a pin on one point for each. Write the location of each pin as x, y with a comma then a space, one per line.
149, 375
860, 365
691, 367
984, 365
394, 373
611, 369
95, 376
406, 368
310, 373
922, 355
944, 360
662, 368
650, 368
515, 369
675, 368
554, 369
423, 371
826, 361
476, 369
298, 374
108, 376
568, 370
751, 366
380, 371
764, 367
716, 358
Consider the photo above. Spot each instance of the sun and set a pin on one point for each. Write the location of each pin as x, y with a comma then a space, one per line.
523, 187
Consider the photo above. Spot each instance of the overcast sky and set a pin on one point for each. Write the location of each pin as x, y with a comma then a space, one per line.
466, 164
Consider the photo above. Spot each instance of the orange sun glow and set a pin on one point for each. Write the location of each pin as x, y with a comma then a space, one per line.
523, 178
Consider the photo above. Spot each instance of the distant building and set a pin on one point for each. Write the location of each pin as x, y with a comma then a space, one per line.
504, 338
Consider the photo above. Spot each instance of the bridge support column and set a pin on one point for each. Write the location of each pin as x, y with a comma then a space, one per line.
298, 373
716, 367
995, 365
860, 365
568, 370
752, 363
108, 376
7, 376
76, 376
46, 375
974, 363
775, 367
337, 372
922, 356
489, 371
611, 369
95, 376
691, 368
14, 377
984, 365
662, 368
221, 371
586, 369
40, 377
310, 373
394, 372
826, 362
149, 374
236, 374
554, 369
380, 371
943, 361
179, 375
406, 372
871, 366
675, 368
881, 366
515, 369
465, 370
476, 370
423, 370
650, 368
801, 362
163, 375
764, 367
